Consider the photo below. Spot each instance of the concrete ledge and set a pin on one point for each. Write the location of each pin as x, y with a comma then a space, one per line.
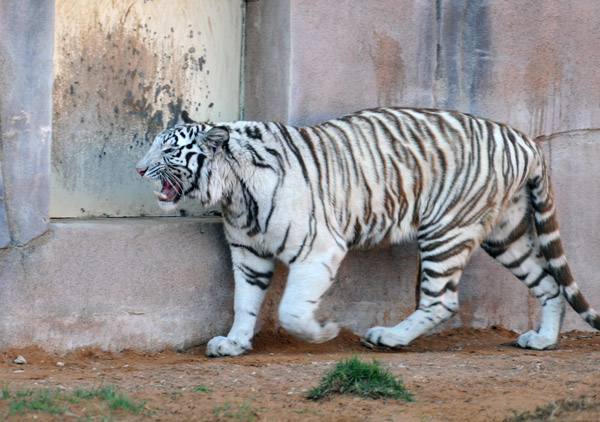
117, 283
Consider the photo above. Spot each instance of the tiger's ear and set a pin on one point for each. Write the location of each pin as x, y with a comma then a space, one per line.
217, 136
184, 118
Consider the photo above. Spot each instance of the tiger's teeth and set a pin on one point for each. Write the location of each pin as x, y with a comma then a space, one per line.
160, 195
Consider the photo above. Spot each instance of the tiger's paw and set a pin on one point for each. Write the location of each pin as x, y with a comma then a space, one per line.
384, 337
314, 332
534, 340
224, 346
329, 330
308, 329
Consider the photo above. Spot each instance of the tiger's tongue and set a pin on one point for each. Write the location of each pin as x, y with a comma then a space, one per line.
168, 191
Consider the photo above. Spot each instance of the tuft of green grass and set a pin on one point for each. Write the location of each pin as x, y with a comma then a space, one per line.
242, 411
35, 400
359, 378
556, 410
57, 402
5, 392
202, 387
116, 400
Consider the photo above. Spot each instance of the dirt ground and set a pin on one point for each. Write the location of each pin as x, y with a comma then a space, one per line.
459, 375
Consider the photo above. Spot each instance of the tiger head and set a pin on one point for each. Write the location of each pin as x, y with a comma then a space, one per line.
182, 160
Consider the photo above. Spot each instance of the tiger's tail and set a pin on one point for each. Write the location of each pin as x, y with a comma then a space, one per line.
542, 198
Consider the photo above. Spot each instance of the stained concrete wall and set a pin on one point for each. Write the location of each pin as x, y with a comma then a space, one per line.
154, 283
530, 64
25, 114
267, 79
123, 71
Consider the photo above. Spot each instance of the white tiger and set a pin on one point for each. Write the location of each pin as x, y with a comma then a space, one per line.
306, 195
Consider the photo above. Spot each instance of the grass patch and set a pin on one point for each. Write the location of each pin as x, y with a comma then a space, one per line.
35, 400
242, 411
556, 410
203, 388
5, 392
19, 402
359, 378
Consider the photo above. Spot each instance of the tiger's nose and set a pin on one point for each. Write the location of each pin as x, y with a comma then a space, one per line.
141, 171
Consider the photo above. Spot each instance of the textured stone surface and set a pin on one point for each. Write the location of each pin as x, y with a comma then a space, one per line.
266, 83
4, 233
346, 58
167, 283
26, 29
530, 64
124, 71
117, 284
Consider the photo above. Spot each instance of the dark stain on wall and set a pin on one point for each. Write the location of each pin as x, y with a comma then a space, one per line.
542, 79
175, 109
463, 66
389, 70
115, 89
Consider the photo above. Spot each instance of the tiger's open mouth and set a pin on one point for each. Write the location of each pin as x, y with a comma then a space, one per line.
168, 192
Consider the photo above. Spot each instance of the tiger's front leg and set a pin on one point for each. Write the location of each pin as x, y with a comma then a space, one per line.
252, 274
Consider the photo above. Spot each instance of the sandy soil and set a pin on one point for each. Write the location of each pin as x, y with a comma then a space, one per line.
458, 375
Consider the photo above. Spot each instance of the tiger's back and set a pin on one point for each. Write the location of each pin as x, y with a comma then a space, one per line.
386, 173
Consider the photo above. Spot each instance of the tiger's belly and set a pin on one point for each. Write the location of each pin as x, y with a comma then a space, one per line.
379, 229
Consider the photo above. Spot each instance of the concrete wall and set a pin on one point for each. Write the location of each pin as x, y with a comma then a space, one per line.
267, 62
123, 71
155, 283
530, 64
117, 283
25, 114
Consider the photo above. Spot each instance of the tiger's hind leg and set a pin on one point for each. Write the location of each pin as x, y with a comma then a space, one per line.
308, 280
514, 243
442, 260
